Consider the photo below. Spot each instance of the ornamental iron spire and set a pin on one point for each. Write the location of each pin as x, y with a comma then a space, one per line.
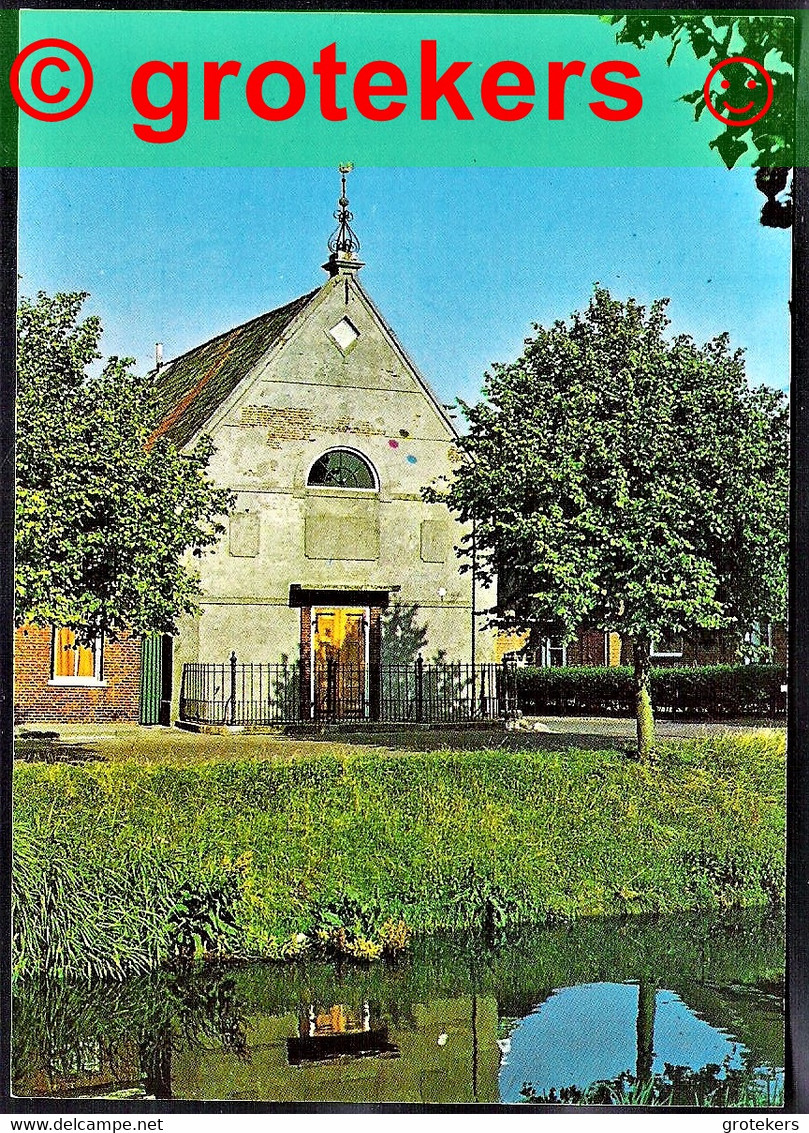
344, 242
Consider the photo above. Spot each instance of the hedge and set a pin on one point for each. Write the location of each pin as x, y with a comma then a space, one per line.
708, 690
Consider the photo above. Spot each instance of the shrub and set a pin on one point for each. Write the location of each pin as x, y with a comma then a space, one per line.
709, 690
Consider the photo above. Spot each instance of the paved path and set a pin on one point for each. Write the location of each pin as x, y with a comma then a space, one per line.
79, 742
624, 727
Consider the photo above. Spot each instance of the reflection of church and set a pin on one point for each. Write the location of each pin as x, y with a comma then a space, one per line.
339, 1032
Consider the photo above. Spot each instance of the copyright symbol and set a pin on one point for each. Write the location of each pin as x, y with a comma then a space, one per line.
41, 76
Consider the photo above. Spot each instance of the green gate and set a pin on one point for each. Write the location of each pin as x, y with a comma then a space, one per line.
155, 679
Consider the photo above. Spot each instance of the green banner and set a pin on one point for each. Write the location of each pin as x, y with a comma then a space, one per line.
143, 88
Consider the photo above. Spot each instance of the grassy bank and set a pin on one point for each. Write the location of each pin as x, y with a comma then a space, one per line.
121, 867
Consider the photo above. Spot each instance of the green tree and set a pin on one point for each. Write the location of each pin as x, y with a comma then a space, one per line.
623, 480
105, 518
714, 37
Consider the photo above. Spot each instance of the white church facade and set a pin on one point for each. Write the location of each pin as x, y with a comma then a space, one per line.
327, 434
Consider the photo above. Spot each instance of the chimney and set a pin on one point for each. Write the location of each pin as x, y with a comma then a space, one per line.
158, 355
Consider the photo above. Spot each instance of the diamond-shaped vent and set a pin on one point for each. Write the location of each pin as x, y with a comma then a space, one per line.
345, 334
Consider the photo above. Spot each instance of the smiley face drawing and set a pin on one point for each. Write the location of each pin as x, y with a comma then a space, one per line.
744, 96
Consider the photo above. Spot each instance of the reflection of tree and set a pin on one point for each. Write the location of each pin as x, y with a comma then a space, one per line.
155, 1016
647, 992
403, 638
154, 1053
715, 1086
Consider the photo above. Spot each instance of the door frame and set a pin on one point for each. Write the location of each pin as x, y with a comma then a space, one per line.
306, 599
366, 636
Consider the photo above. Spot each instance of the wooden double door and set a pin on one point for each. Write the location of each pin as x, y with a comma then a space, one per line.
340, 663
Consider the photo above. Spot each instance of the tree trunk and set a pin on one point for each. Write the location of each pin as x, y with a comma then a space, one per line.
643, 697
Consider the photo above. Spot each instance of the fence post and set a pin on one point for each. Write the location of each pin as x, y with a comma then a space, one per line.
233, 687
509, 685
419, 689
330, 690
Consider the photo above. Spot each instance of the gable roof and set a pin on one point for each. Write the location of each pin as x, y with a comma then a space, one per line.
190, 388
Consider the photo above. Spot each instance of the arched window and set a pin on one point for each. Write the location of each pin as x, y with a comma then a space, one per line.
342, 468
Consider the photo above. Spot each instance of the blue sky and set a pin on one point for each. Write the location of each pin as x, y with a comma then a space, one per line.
460, 261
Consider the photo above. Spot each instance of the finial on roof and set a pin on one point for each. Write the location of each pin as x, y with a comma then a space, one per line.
343, 243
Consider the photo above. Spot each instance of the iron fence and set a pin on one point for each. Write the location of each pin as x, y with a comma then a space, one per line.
245, 694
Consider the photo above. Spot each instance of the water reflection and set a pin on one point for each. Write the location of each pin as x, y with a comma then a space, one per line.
544, 1011
338, 1032
601, 1032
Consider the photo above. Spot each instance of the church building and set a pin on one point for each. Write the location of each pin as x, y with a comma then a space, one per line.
326, 433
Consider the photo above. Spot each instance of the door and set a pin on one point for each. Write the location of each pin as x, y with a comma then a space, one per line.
339, 663
155, 679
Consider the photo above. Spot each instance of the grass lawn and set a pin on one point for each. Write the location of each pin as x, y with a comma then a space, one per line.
171, 747
125, 863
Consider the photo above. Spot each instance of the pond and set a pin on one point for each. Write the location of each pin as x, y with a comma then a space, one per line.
683, 1009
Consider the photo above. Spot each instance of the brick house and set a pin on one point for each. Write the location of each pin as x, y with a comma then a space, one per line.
54, 680
596, 647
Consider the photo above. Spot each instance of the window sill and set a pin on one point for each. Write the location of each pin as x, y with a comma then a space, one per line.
332, 490
76, 682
